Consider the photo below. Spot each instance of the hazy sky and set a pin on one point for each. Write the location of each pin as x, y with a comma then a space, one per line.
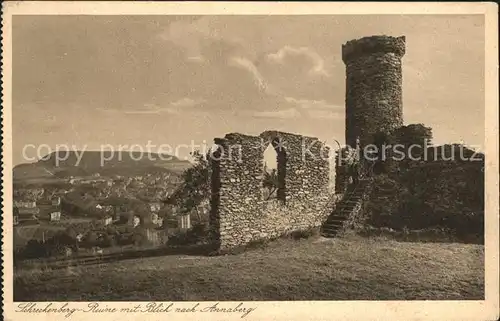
93, 80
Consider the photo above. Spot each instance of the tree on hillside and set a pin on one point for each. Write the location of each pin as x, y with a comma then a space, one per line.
195, 186
91, 239
139, 208
271, 182
431, 194
412, 135
405, 145
454, 152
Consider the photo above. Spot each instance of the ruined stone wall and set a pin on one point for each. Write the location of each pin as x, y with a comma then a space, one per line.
302, 162
373, 86
236, 181
239, 213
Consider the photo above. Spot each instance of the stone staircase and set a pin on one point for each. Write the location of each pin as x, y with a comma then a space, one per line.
345, 210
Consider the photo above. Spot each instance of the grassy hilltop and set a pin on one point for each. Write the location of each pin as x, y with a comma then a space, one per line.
351, 268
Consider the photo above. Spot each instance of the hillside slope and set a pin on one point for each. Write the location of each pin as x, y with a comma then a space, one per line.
316, 269
91, 162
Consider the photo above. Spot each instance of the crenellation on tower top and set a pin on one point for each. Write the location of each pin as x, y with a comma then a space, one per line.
353, 49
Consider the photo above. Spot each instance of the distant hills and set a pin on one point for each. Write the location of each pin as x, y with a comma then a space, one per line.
62, 165
58, 166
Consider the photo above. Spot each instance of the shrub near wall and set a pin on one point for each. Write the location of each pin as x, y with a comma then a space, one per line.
446, 195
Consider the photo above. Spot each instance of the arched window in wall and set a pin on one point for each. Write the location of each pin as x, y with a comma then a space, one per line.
274, 172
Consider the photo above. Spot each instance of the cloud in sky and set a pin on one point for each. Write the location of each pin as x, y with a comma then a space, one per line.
315, 104
283, 114
174, 107
209, 74
187, 102
325, 114
304, 109
196, 59
317, 62
249, 66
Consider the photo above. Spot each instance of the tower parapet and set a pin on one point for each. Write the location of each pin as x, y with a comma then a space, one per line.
354, 49
374, 82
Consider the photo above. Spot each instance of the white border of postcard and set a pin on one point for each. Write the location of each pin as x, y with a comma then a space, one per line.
277, 310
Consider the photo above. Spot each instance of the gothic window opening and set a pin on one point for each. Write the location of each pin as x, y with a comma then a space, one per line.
274, 172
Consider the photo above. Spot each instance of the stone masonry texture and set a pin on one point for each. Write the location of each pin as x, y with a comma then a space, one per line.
239, 213
373, 86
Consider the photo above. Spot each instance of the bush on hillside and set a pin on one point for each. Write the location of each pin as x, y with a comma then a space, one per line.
446, 190
198, 234
428, 197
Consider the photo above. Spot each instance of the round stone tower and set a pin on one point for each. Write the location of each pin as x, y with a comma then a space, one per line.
373, 86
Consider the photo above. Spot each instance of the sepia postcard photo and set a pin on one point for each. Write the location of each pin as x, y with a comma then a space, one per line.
251, 160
